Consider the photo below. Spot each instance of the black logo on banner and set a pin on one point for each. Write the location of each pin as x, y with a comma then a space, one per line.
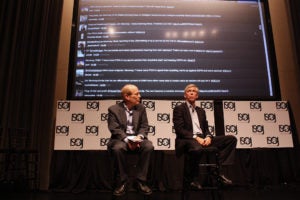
63, 105
211, 129
104, 141
92, 105
149, 105
176, 103
270, 117
76, 142
163, 117
244, 117
104, 117
284, 128
92, 130
166, 142
273, 141
62, 130
231, 129
258, 129
77, 117
281, 105
229, 105
207, 105
246, 141
254, 105
151, 130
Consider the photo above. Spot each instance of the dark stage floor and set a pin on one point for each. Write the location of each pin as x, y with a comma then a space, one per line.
284, 192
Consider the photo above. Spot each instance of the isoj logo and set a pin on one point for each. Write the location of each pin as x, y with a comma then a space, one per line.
151, 130
258, 129
77, 117
76, 142
281, 105
231, 129
175, 103
149, 105
207, 105
229, 105
104, 117
92, 130
254, 105
270, 117
166, 142
273, 141
103, 141
62, 130
63, 105
284, 128
92, 105
246, 141
244, 117
163, 117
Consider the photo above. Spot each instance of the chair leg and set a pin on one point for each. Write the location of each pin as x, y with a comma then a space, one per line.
185, 194
210, 169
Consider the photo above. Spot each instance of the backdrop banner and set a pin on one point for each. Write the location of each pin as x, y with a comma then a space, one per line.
258, 124
82, 125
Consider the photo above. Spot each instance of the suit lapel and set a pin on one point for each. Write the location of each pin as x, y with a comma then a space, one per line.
135, 119
198, 113
122, 114
187, 111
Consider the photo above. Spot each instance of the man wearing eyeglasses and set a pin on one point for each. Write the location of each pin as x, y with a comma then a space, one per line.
128, 124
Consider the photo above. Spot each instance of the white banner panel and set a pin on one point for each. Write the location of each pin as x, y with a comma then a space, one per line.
82, 125
258, 124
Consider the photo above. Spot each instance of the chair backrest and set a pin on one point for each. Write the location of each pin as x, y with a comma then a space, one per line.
18, 138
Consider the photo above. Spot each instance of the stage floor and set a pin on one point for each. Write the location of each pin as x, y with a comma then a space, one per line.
286, 192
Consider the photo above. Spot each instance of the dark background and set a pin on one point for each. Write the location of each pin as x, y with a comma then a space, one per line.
29, 38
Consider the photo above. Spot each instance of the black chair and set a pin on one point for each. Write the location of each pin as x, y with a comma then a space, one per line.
19, 162
208, 173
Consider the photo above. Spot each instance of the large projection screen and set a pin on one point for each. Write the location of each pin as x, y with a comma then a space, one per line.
225, 47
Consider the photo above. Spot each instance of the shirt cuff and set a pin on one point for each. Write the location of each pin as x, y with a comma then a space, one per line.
142, 136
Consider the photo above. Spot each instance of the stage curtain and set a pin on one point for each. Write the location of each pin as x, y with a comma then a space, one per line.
77, 171
28, 55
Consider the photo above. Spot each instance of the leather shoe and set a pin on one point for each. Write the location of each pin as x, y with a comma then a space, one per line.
143, 188
224, 180
195, 185
120, 190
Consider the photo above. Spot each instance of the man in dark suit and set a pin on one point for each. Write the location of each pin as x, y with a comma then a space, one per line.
128, 124
192, 135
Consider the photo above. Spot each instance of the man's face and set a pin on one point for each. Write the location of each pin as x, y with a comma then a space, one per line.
191, 94
134, 98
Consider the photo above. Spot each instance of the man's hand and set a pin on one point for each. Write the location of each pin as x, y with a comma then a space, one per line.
204, 142
207, 141
133, 145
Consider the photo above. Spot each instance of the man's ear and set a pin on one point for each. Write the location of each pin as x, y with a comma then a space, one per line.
126, 96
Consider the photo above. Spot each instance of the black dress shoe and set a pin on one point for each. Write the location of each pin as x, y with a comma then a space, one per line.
120, 190
143, 188
195, 185
224, 180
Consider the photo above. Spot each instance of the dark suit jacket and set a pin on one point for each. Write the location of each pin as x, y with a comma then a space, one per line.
117, 121
183, 125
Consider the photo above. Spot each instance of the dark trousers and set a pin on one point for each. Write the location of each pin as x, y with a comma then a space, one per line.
225, 144
119, 149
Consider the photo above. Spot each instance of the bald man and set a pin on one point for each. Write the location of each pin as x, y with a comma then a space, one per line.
128, 124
